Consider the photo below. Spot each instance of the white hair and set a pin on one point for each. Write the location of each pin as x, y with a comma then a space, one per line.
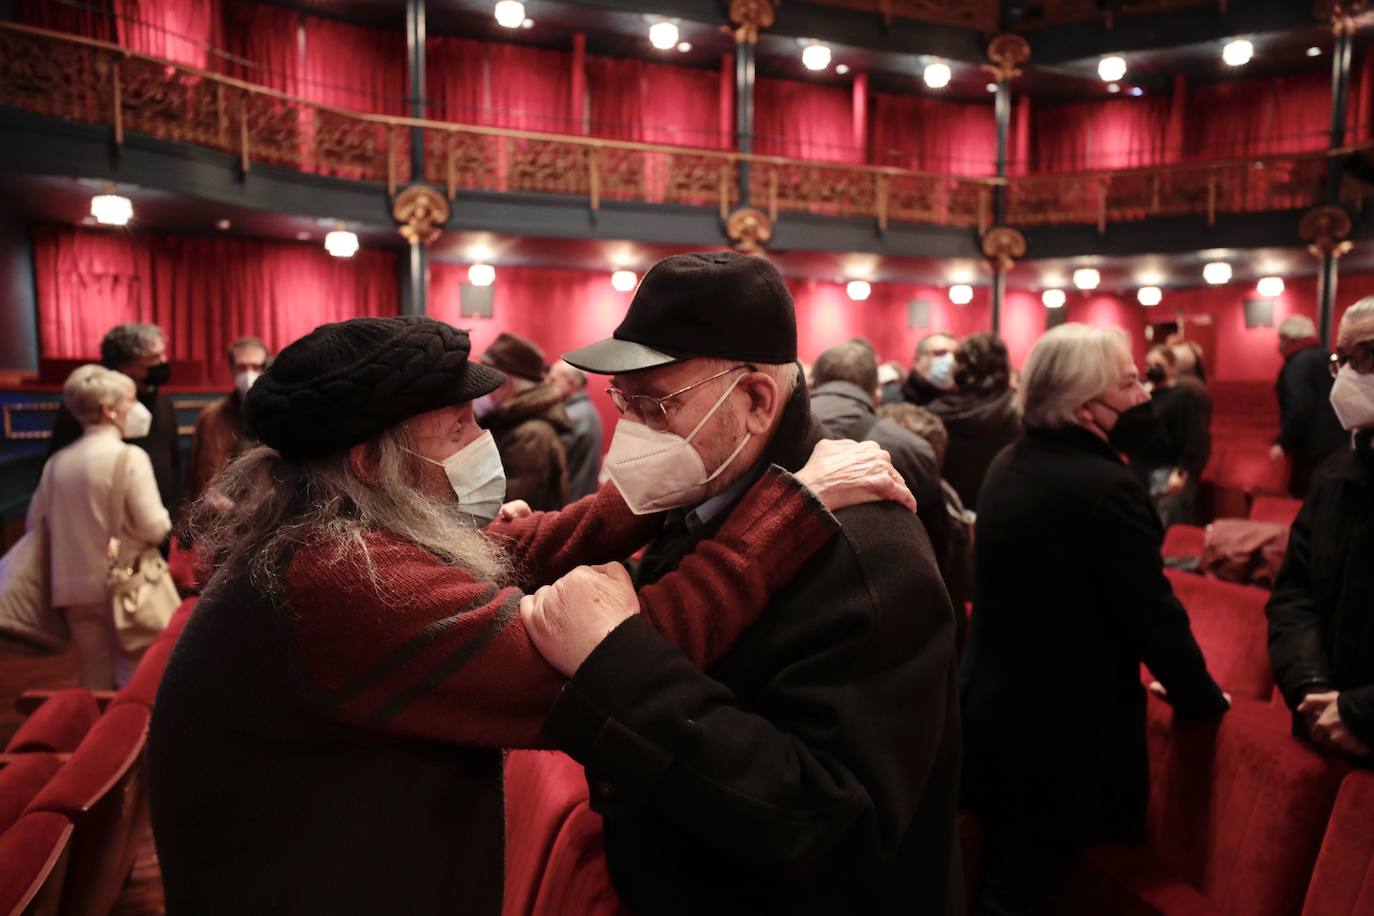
784, 374
1357, 323
1069, 366
91, 387
1297, 327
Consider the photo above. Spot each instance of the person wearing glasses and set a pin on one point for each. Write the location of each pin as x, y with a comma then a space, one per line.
1309, 432
813, 768
1321, 615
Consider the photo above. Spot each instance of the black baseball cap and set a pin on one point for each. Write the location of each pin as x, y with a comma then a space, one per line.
719, 304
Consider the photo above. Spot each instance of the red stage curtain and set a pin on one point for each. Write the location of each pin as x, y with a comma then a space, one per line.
1283, 114
354, 67
184, 31
500, 85
264, 42
203, 292
931, 135
456, 80
804, 121
655, 103
92, 19
1099, 135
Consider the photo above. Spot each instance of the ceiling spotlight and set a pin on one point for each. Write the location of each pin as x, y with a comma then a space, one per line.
1137, 91
527, 24
842, 69
1149, 296
816, 57
937, 75
992, 87
961, 294
1314, 51
1217, 273
1111, 69
858, 290
1113, 87
1086, 278
222, 224
302, 236
1053, 298
1237, 53
684, 46
510, 13
481, 274
1269, 287
341, 243
663, 35
623, 281
112, 210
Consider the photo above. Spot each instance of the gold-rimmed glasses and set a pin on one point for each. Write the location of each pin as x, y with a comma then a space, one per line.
650, 410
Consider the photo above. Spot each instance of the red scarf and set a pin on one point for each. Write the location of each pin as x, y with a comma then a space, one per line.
1288, 348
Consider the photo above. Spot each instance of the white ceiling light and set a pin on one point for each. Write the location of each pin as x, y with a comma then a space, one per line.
112, 210
302, 236
1217, 273
624, 281
937, 75
815, 57
527, 24
1137, 91
961, 294
1269, 287
684, 46
1086, 278
992, 87
1237, 53
663, 35
842, 69
481, 274
1314, 51
1053, 298
858, 290
1111, 68
341, 243
1113, 87
1149, 296
510, 13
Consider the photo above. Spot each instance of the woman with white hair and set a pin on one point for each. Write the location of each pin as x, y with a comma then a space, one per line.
74, 500
1069, 598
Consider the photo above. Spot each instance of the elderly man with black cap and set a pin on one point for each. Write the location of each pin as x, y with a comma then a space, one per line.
527, 418
327, 734
814, 767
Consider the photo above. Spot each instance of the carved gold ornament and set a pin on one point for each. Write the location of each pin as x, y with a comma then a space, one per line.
1002, 246
421, 212
749, 229
1342, 15
1007, 53
749, 17
1326, 228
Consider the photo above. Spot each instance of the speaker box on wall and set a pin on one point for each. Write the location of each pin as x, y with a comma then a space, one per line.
474, 301
1259, 313
918, 313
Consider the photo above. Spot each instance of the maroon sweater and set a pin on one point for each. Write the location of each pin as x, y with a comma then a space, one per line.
339, 751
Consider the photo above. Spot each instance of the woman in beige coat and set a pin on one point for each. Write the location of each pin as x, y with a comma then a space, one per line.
73, 498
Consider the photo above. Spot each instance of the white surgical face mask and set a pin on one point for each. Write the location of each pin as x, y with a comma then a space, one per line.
655, 471
244, 380
477, 477
138, 422
1352, 397
941, 373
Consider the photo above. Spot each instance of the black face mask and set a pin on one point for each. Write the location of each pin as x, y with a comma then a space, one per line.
158, 375
1155, 374
1134, 427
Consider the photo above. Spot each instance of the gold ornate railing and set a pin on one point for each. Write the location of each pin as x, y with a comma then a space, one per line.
97, 83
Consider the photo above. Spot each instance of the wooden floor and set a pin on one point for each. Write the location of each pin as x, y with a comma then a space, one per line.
142, 896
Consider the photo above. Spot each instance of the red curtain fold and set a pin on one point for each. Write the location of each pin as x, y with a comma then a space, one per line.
91, 19
655, 103
499, 85
203, 292
265, 44
355, 67
932, 135
1118, 134
1283, 114
456, 80
184, 31
804, 121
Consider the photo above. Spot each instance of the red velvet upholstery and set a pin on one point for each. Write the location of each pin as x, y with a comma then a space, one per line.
1230, 627
99, 764
555, 861
1278, 510
1184, 541
1237, 812
1343, 881
58, 725
21, 780
142, 687
32, 863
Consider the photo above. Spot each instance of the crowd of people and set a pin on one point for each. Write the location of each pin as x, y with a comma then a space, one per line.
781, 680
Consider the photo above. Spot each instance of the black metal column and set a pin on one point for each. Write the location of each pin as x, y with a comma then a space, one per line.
744, 111
413, 270
1328, 269
415, 59
1002, 113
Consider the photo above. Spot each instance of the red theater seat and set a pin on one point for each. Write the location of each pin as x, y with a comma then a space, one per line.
1343, 881
1236, 816
142, 687
1276, 510
1184, 541
1231, 629
33, 864
22, 777
58, 725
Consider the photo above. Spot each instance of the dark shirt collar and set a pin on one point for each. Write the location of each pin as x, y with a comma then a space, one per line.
1075, 436
847, 390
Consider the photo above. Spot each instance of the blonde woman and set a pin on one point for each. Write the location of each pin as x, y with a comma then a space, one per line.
73, 499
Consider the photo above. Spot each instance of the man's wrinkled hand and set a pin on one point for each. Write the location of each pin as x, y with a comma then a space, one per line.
516, 508
843, 473
570, 618
1328, 729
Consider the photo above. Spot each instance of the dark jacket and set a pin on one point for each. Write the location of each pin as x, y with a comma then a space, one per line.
218, 439
1199, 390
1321, 615
582, 442
528, 430
163, 443
814, 768
919, 391
979, 427
1070, 597
1180, 439
844, 409
1308, 427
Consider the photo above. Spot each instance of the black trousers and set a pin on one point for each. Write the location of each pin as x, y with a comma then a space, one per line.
1024, 870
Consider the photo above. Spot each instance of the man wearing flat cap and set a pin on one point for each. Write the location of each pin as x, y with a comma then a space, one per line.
327, 734
526, 416
813, 768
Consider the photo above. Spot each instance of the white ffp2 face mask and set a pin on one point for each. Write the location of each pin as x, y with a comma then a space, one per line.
138, 422
1352, 397
477, 476
244, 380
655, 471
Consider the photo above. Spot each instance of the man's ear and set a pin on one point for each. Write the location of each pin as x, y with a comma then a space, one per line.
765, 401
361, 464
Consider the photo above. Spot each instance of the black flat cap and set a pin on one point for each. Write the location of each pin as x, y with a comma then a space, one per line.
721, 304
343, 384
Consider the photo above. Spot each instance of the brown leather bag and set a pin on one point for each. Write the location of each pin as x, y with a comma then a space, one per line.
1239, 550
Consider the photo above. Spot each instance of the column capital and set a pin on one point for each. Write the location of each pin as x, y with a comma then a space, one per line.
749, 17
1002, 246
749, 229
1007, 53
420, 213
1339, 14
1327, 230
